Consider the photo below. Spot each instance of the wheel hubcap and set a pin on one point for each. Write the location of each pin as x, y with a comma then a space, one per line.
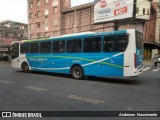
77, 73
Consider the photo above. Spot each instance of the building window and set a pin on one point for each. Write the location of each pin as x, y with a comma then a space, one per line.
55, 10
31, 26
38, 13
16, 34
55, 33
55, 22
31, 15
46, 12
38, 35
45, 23
46, 1
38, 2
38, 24
137, 10
55, 3
46, 28
31, 5
1, 42
31, 36
145, 11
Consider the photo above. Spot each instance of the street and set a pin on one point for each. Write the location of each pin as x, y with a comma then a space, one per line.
36, 91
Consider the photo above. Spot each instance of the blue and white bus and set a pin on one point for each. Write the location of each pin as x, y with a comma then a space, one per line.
101, 54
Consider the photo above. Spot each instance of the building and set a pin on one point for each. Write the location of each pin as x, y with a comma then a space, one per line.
44, 17
11, 31
57, 17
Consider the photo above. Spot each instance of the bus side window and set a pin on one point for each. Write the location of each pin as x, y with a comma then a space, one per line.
34, 47
24, 48
116, 43
122, 43
92, 44
58, 47
74, 46
109, 44
45, 47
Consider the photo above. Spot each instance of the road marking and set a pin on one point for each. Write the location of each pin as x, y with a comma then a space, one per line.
36, 88
6, 82
85, 99
129, 109
155, 70
147, 68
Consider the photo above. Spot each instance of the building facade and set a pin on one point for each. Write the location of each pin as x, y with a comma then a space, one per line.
57, 17
44, 17
11, 31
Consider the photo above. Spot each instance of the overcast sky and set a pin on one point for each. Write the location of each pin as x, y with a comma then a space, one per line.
16, 10
79, 2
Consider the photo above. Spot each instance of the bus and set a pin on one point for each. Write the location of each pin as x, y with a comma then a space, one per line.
99, 54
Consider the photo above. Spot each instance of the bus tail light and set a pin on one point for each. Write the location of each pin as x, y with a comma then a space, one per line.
135, 60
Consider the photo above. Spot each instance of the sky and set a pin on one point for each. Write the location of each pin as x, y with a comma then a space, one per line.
79, 2
16, 10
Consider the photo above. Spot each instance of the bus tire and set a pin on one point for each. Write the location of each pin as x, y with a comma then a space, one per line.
25, 67
77, 72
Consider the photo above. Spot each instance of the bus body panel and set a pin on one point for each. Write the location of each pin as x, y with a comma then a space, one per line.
92, 64
129, 54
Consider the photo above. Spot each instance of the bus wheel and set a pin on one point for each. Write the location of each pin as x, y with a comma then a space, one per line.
25, 67
77, 72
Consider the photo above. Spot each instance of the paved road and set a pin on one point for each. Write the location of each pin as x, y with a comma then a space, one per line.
51, 92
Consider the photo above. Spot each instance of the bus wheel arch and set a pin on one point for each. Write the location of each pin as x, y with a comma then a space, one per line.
25, 67
77, 72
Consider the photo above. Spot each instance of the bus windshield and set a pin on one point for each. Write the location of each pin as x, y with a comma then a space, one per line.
15, 50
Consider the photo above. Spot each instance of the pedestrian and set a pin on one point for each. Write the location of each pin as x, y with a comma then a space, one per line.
156, 60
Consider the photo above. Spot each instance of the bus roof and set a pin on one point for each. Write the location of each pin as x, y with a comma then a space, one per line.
78, 35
